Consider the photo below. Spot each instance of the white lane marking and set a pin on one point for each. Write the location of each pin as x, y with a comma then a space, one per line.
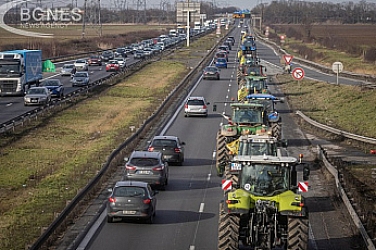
201, 210
191, 247
209, 175
9, 104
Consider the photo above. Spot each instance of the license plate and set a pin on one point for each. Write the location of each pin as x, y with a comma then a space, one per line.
129, 212
143, 172
235, 166
34, 100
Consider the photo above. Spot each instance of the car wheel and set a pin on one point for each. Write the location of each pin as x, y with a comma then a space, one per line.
110, 219
218, 78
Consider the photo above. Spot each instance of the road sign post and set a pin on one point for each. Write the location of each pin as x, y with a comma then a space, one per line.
298, 74
337, 68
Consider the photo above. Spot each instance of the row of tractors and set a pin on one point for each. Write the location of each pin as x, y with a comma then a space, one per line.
263, 209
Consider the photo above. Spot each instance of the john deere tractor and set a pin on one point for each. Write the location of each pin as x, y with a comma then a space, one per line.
265, 210
251, 85
246, 119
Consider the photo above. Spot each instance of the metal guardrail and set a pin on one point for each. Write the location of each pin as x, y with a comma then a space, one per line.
97, 180
339, 132
325, 69
345, 199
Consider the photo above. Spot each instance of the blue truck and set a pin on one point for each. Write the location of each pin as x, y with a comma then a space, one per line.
19, 69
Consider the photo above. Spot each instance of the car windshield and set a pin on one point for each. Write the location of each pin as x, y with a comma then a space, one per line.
196, 102
80, 61
113, 62
107, 53
80, 75
36, 91
164, 143
94, 57
264, 179
144, 162
129, 192
120, 50
253, 147
247, 116
70, 66
51, 83
211, 69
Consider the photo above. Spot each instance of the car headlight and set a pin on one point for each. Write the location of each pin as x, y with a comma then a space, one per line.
27, 99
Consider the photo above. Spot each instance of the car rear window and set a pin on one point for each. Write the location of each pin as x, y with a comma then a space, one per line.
129, 192
196, 102
164, 143
144, 162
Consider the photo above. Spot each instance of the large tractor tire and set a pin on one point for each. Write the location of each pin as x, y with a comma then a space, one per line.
277, 131
297, 238
221, 154
228, 230
230, 176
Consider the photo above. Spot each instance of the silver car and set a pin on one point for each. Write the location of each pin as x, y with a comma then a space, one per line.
37, 96
131, 199
80, 79
67, 69
196, 105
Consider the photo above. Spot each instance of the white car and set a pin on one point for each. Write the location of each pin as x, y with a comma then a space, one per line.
121, 61
81, 65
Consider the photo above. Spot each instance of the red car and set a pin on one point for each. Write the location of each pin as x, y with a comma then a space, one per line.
113, 65
95, 60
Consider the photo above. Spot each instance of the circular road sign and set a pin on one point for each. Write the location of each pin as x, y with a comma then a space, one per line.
297, 73
337, 67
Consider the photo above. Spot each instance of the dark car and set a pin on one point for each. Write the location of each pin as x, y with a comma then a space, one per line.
224, 48
149, 167
121, 52
107, 55
211, 72
95, 60
232, 40
171, 147
131, 199
54, 86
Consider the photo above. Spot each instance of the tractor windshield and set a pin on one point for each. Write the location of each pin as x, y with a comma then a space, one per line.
256, 85
264, 179
250, 147
247, 116
268, 104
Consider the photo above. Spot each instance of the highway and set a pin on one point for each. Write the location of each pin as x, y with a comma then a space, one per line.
12, 106
187, 212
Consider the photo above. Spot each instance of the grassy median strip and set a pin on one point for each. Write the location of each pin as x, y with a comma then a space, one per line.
48, 166
44, 167
349, 108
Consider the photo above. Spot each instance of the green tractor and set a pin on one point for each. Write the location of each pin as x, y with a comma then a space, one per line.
265, 210
246, 119
251, 85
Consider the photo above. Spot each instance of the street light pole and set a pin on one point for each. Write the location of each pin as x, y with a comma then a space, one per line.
188, 34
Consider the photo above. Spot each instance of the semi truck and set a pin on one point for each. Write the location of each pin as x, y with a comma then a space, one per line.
19, 69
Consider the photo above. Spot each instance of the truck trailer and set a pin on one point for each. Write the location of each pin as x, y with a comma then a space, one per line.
19, 69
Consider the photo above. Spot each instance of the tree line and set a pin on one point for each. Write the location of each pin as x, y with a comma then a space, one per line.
301, 12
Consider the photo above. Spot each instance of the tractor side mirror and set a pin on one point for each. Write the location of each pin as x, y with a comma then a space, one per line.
215, 108
306, 173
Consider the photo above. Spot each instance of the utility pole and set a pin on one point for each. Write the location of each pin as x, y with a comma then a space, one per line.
84, 20
99, 18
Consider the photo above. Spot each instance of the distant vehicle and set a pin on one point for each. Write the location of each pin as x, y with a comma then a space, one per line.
221, 63
224, 48
120, 52
37, 96
113, 65
95, 60
171, 147
139, 54
107, 55
80, 78
81, 65
232, 40
131, 199
220, 54
196, 106
54, 86
19, 70
121, 62
150, 167
67, 70
148, 52
211, 72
